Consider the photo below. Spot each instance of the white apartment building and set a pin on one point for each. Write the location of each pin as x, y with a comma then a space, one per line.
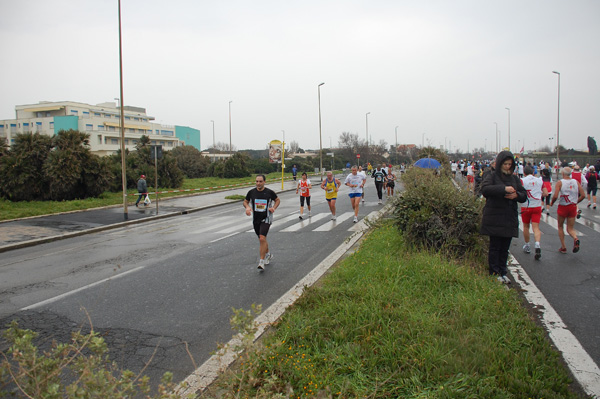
101, 122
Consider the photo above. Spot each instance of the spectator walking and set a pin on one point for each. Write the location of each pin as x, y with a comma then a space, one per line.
356, 182
304, 187
331, 185
592, 179
571, 193
142, 188
294, 172
531, 211
503, 191
261, 202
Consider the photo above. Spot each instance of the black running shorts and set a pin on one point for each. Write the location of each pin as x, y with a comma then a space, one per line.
261, 228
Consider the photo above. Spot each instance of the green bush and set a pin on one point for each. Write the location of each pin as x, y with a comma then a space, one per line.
79, 369
434, 214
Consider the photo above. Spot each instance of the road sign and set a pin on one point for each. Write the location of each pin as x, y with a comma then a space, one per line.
357, 155
330, 153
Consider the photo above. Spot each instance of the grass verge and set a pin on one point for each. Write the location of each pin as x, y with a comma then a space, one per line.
390, 322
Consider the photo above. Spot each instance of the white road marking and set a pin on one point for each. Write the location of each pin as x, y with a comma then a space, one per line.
550, 221
85, 287
305, 223
332, 224
580, 363
227, 236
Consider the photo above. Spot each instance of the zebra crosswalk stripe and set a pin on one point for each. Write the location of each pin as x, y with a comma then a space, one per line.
305, 222
334, 223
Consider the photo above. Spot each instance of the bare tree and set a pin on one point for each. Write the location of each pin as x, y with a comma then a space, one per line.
223, 147
293, 147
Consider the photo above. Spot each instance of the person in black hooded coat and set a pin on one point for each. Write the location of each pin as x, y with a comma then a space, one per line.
502, 190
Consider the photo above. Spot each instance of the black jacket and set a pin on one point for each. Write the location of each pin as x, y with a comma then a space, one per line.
501, 215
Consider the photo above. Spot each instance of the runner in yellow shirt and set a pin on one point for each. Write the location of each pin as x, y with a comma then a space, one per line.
331, 186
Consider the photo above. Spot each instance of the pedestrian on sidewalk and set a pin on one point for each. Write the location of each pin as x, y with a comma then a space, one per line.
571, 193
304, 187
592, 179
261, 202
356, 182
331, 185
379, 175
142, 188
294, 172
531, 211
503, 191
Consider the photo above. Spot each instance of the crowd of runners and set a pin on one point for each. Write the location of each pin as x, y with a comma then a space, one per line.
261, 202
507, 182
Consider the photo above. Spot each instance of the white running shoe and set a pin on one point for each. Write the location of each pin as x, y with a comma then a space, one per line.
300, 217
333, 217
309, 215
355, 219
380, 202
261, 265
527, 248
268, 258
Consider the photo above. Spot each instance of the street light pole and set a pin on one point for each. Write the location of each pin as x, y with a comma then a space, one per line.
213, 123
396, 148
558, 120
230, 152
122, 123
367, 123
508, 128
497, 140
320, 134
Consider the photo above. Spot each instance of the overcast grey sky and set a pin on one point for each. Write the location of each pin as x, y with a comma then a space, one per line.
442, 71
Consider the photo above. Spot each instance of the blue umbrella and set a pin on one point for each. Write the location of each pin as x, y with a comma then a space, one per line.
428, 163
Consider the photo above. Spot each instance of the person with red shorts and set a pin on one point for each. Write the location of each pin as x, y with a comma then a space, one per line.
569, 193
531, 211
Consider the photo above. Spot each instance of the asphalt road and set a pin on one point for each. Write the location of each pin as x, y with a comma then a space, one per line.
161, 289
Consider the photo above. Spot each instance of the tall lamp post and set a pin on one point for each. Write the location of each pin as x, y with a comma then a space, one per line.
558, 121
367, 123
396, 148
508, 128
320, 135
122, 123
213, 123
497, 140
230, 152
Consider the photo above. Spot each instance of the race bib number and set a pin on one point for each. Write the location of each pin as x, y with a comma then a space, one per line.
330, 190
260, 205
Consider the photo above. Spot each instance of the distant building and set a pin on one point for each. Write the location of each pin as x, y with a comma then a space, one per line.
101, 122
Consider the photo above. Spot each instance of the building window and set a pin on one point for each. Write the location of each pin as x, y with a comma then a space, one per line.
86, 114
112, 129
99, 139
38, 126
13, 127
107, 116
101, 127
97, 114
136, 119
1, 128
126, 141
127, 118
114, 141
26, 127
135, 142
89, 127
52, 125
74, 112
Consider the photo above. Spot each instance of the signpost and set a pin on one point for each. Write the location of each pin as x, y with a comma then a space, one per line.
156, 153
358, 157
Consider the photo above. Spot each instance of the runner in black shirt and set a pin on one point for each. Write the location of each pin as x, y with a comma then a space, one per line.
379, 175
262, 202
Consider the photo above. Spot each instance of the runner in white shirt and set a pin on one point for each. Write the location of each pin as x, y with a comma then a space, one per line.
364, 174
356, 182
571, 193
531, 211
